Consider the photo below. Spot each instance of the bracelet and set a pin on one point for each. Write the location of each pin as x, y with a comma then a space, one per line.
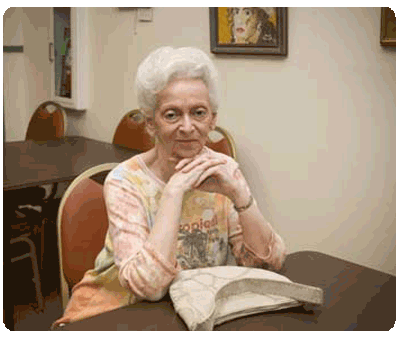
248, 205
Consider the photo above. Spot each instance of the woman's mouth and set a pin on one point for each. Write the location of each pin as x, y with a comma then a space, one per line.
240, 30
187, 144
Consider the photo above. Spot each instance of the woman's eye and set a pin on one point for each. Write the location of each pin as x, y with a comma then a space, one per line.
171, 115
200, 113
247, 12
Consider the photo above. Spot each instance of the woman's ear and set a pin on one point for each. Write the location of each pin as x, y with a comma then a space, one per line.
150, 125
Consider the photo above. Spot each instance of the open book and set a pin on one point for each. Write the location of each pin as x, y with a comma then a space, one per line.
209, 296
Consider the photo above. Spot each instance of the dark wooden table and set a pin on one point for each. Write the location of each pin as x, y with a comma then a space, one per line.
30, 163
356, 298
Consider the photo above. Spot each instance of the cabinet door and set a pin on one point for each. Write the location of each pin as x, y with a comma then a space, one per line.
69, 57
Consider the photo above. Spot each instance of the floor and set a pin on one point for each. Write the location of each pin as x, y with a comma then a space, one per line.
26, 315
28, 319
21, 293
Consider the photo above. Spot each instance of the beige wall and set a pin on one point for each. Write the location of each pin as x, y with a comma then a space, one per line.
315, 131
26, 75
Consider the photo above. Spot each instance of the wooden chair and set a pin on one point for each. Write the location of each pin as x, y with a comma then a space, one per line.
82, 224
20, 233
131, 132
221, 141
48, 122
29, 208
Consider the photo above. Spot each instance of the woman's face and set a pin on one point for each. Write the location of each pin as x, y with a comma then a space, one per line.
183, 118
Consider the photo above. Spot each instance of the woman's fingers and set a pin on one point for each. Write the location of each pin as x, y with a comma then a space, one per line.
191, 170
188, 164
182, 163
186, 161
201, 160
210, 171
206, 174
198, 170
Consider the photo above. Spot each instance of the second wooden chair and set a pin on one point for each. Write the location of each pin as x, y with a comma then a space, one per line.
131, 132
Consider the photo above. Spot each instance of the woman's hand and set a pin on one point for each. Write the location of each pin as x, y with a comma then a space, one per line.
223, 178
189, 170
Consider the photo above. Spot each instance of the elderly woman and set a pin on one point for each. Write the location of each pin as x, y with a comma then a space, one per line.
179, 205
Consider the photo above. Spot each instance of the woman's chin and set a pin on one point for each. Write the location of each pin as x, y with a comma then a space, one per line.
187, 153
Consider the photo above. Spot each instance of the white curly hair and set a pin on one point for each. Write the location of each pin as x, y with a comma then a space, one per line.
166, 64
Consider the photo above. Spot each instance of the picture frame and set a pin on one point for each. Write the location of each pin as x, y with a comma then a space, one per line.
388, 27
249, 30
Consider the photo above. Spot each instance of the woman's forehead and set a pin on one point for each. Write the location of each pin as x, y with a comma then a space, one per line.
184, 90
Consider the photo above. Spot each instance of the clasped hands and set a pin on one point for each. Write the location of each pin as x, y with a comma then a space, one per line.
212, 172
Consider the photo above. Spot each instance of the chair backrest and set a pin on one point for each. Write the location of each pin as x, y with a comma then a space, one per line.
131, 132
221, 141
48, 122
82, 225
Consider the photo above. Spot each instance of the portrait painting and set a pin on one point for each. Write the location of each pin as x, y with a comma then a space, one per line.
248, 30
388, 27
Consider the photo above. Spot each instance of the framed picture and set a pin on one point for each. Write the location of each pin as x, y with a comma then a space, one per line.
249, 30
388, 27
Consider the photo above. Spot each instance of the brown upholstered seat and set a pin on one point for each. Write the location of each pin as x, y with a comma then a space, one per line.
131, 132
48, 122
82, 225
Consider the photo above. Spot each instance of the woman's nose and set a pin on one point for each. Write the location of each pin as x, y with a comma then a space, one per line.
186, 125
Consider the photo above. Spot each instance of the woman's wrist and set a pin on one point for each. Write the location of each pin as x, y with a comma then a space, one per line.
244, 207
241, 197
173, 192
